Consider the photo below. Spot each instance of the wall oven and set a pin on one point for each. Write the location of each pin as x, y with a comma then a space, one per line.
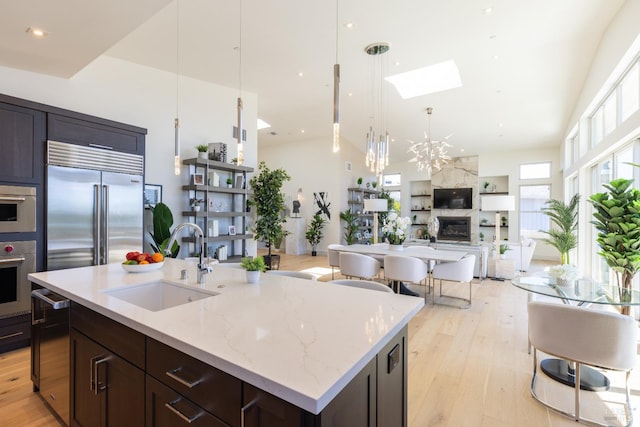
17, 209
17, 260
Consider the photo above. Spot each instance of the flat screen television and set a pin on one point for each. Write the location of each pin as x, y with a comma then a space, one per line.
452, 198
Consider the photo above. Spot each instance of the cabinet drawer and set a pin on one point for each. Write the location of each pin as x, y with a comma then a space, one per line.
116, 337
15, 332
215, 391
166, 408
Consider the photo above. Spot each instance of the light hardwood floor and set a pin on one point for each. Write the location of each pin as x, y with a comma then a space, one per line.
466, 367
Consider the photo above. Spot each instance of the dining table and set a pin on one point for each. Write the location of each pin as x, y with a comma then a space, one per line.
581, 292
422, 253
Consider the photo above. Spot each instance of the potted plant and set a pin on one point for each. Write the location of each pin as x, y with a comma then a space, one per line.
617, 220
162, 222
374, 184
503, 248
485, 186
202, 151
503, 221
253, 266
351, 226
565, 218
359, 181
195, 204
314, 232
229, 182
395, 230
481, 235
269, 202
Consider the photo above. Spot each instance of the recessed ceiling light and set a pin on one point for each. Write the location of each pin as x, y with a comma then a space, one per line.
397, 63
495, 57
462, 150
300, 74
349, 25
500, 124
350, 94
37, 32
262, 124
301, 130
431, 79
487, 10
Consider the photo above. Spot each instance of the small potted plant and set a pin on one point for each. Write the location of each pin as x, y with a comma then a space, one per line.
481, 235
229, 182
485, 186
374, 184
202, 151
359, 181
503, 220
503, 248
195, 204
254, 266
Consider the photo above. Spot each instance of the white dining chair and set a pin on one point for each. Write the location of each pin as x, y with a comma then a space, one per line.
458, 271
296, 274
365, 284
586, 337
405, 269
333, 254
358, 265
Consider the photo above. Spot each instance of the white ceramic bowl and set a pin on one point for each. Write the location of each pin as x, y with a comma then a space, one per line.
142, 268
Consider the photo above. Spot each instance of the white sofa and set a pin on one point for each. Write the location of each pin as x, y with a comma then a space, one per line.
528, 247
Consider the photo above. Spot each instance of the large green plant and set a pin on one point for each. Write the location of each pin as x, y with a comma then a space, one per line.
269, 202
617, 220
351, 226
162, 222
565, 218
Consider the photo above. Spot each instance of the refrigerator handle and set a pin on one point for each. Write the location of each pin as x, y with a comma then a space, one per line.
105, 214
97, 217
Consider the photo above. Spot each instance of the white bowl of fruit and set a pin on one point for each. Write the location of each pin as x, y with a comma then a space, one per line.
142, 262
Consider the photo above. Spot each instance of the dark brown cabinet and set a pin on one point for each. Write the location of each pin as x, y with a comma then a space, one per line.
22, 137
107, 371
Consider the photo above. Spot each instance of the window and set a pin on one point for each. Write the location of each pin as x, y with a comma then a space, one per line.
535, 170
609, 120
597, 128
392, 180
622, 160
532, 200
630, 93
572, 150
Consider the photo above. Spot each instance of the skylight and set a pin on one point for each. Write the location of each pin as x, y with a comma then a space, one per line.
262, 124
431, 79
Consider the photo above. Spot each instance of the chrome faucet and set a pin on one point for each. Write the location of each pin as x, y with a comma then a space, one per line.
203, 269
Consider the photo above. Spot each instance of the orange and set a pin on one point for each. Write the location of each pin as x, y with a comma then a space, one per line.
143, 262
157, 257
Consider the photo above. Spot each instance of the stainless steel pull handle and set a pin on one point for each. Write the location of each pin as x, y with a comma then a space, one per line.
94, 376
8, 260
190, 384
187, 418
244, 410
41, 294
12, 199
104, 147
105, 214
96, 223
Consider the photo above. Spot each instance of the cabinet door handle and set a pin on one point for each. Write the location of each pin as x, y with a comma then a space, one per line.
94, 373
179, 413
174, 376
244, 410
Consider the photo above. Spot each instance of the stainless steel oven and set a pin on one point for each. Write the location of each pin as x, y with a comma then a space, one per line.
17, 259
17, 209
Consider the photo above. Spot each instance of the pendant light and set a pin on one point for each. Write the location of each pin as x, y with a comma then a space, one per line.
377, 150
336, 94
429, 154
176, 122
239, 103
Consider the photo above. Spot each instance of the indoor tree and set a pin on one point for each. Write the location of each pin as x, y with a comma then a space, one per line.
269, 202
617, 221
351, 226
565, 218
314, 232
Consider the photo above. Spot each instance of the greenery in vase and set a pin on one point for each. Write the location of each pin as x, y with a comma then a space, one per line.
314, 231
617, 221
269, 202
564, 216
162, 222
503, 248
202, 148
253, 264
351, 226
395, 228
359, 181
374, 184
229, 181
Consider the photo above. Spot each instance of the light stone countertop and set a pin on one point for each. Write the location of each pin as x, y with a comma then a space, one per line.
299, 340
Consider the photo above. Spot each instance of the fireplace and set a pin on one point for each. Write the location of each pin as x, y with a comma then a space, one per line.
456, 228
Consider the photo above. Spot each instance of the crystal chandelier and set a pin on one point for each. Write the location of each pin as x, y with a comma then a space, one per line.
377, 150
428, 154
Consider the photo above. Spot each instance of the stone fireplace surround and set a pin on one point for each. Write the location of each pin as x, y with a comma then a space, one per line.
455, 228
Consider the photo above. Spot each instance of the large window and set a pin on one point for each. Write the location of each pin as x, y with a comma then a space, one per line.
630, 93
532, 200
535, 170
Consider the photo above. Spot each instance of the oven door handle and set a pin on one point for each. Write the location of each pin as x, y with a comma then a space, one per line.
8, 260
41, 294
12, 199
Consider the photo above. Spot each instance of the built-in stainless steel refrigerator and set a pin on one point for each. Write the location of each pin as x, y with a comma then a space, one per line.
94, 205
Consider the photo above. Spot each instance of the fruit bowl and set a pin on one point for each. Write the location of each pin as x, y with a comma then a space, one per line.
142, 268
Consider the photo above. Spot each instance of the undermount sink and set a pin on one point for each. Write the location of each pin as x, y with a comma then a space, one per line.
159, 295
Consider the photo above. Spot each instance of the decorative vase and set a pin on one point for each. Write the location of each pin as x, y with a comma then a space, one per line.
253, 276
396, 247
564, 282
203, 155
196, 208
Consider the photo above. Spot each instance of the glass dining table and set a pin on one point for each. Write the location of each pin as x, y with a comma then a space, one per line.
582, 292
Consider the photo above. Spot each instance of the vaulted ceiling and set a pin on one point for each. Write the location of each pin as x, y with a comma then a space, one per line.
522, 64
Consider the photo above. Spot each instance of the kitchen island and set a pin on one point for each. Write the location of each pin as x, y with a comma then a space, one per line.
309, 346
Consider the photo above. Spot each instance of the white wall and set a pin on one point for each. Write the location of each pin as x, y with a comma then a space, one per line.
125, 92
